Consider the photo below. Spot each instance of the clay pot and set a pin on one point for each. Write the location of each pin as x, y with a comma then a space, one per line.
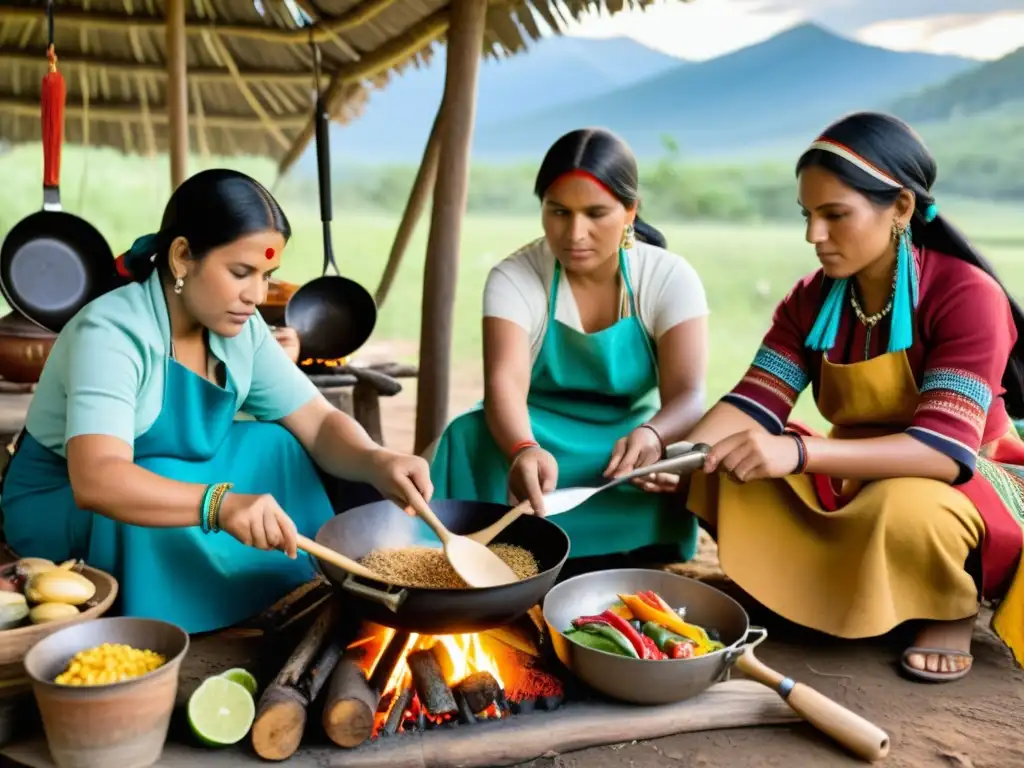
120, 725
278, 294
24, 347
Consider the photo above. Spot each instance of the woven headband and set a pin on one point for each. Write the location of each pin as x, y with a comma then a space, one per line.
827, 145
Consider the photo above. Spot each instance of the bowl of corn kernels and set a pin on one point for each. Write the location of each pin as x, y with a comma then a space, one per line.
106, 689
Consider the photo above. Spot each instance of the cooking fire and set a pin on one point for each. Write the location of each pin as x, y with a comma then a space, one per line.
321, 364
436, 681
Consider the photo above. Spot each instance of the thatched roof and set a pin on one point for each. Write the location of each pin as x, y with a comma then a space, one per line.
250, 75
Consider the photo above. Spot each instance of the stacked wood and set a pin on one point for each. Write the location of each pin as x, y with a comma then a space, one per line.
281, 713
352, 700
428, 680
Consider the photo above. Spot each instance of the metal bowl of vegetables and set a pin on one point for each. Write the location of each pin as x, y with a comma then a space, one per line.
646, 636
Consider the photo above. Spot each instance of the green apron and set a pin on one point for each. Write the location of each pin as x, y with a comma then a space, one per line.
586, 391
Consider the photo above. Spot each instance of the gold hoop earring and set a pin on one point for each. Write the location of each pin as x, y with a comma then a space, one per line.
628, 237
898, 230
179, 284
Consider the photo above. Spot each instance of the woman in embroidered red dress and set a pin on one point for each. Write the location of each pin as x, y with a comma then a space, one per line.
912, 508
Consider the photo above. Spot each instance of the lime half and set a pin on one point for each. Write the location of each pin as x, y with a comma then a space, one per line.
220, 712
243, 677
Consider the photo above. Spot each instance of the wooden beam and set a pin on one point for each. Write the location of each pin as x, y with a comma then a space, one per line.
129, 111
177, 91
440, 276
322, 32
426, 177
393, 52
117, 65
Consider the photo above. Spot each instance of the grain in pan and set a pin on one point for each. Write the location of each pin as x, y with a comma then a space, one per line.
428, 568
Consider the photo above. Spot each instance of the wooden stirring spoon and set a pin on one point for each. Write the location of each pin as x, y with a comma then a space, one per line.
472, 561
337, 559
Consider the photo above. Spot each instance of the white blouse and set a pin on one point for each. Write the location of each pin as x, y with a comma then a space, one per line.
668, 291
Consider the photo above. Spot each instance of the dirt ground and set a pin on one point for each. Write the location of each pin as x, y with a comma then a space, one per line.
972, 723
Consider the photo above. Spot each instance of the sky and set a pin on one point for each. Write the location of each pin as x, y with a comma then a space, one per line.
702, 29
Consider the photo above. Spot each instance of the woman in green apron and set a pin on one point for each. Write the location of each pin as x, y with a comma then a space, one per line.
132, 457
595, 343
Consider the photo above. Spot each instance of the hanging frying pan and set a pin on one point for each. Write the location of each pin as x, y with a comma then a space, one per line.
53, 263
332, 315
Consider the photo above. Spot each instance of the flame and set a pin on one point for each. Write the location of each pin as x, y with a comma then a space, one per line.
468, 656
332, 363
465, 651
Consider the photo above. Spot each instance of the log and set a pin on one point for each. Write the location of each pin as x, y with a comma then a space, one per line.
321, 669
297, 604
350, 705
428, 680
401, 704
520, 739
281, 712
351, 702
480, 690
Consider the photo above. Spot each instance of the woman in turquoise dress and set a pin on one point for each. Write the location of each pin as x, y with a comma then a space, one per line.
595, 348
132, 458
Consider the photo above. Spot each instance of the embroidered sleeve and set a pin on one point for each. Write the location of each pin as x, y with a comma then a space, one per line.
969, 342
780, 372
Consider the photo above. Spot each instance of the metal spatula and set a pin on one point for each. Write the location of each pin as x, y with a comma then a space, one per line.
565, 499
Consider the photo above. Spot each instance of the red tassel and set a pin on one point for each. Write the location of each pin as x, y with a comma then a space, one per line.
54, 94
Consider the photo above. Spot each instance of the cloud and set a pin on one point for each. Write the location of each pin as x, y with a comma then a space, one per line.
847, 15
989, 36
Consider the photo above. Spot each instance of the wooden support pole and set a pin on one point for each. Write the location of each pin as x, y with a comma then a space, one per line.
177, 91
426, 177
440, 274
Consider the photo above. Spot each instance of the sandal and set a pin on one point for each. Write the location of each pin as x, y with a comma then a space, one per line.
935, 677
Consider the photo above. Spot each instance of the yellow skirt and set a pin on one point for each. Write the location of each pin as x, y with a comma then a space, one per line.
895, 552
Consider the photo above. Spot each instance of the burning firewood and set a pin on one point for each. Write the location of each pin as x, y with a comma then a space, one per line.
281, 712
428, 679
352, 700
480, 690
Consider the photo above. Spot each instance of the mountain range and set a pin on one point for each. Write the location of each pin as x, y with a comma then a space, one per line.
764, 99
556, 69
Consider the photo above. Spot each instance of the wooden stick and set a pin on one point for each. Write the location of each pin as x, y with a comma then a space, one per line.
281, 712
435, 695
352, 701
422, 186
350, 705
735, 704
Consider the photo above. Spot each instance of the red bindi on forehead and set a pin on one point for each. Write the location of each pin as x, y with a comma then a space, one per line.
269, 254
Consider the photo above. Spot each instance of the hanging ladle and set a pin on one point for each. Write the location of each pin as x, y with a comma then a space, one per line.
565, 499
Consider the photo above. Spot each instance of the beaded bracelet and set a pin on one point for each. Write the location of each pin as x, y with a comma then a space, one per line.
209, 512
216, 499
204, 510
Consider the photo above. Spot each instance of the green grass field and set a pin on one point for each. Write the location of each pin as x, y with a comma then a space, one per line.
746, 268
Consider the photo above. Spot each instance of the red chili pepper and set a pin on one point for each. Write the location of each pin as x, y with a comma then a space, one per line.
681, 651
580, 620
634, 637
651, 650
